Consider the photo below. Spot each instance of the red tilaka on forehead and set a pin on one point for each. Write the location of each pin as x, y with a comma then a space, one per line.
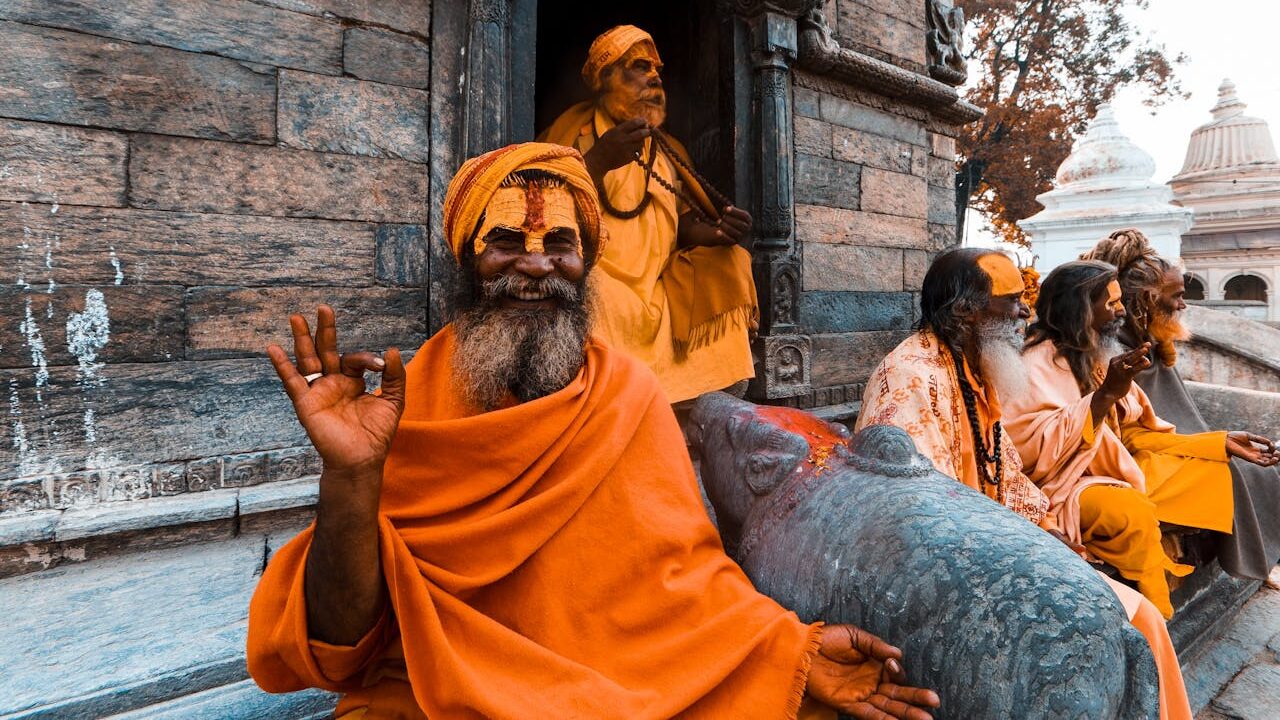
534, 204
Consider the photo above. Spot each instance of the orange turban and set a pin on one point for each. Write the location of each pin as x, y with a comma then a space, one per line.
480, 177
609, 48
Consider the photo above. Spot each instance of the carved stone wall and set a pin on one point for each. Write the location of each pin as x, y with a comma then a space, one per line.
872, 146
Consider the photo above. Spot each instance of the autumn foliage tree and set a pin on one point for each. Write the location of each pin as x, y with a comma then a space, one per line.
1040, 69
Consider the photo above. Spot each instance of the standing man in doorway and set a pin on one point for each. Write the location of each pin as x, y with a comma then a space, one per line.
676, 288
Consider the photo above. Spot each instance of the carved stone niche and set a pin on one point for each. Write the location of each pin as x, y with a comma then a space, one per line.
783, 367
944, 42
778, 283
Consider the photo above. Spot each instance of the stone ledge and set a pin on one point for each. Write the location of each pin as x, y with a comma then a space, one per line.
111, 518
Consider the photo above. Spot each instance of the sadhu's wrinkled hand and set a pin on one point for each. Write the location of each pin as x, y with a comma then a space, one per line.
1123, 369
350, 428
618, 146
1253, 448
732, 228
1076, 547
861, 675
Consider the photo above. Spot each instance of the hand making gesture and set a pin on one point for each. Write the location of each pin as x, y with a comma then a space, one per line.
352, 430
861, 675
1121, 371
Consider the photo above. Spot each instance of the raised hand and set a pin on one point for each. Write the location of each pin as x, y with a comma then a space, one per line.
1123, 369
1245, 445
350, 428
616, 147
861, 675
352, 431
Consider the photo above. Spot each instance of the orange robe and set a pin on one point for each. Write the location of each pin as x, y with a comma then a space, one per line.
917, 389
550, 559
1161, 476
687, 314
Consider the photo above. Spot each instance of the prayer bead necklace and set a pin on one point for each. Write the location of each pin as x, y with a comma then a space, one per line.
660, 140
980, 452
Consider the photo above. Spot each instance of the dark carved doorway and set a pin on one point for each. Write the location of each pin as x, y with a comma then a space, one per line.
691, 40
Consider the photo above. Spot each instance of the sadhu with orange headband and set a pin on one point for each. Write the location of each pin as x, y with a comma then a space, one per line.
512, 527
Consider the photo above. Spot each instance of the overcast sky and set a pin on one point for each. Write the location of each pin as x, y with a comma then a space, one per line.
1234, 39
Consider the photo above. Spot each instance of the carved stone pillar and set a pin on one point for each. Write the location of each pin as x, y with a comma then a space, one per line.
783, 357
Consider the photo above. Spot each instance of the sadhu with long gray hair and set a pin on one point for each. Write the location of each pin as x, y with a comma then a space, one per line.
1153, 290
1089, 436
512, 528
945, 385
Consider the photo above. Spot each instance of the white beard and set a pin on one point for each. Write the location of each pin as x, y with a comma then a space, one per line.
1000, 356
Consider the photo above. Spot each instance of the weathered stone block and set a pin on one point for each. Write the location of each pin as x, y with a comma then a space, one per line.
293, 463
47, 163
942, 172
401, 254
143, 413
818, 224
894, 193
908, 11
244, 469
942, 146
805, 102
230, 322
941, 236
813, 137
942, 205
864, 148
408, 15
871, 28
126, 483
23, 496
915, 263
142, 324
840, 312
852, 267
857, 116
66, 77
97, 246
387, 57
204, 474
168, 173
850, 357
233, 28
341, 115
829, 183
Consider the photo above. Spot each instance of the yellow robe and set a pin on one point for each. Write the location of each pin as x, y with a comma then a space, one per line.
916, 388
633, 307
1155, 475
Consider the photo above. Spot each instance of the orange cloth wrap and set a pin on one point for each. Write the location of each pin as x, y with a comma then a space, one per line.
480, 177
609, 48
551, 559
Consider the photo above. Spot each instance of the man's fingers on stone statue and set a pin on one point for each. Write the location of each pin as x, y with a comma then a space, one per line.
900, 701
872, 646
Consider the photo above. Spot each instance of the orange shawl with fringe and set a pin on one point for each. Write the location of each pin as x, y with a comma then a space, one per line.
551, 559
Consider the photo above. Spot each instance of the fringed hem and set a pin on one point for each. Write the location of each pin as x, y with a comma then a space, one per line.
745, 316
801, 680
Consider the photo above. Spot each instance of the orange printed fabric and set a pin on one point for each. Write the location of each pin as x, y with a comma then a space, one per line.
916, 388
552, 559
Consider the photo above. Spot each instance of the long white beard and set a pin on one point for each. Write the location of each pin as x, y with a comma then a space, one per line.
1109, 345
527, 353
1000, 356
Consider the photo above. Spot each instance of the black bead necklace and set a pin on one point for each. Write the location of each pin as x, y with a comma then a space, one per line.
984, 457
659, 140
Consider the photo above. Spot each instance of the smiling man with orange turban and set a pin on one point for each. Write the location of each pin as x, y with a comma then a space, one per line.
512, 527
675, 288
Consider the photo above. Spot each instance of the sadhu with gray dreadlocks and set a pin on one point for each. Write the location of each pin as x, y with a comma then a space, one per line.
1152, 288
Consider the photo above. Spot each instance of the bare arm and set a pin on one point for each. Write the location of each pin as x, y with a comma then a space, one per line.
352, 431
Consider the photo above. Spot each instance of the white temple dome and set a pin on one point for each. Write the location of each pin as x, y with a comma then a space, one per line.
1105, 157
1232, 140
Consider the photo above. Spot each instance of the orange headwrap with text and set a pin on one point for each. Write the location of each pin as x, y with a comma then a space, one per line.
609, 48
480, 177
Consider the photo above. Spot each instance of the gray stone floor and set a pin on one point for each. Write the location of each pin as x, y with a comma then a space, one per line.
1238, 677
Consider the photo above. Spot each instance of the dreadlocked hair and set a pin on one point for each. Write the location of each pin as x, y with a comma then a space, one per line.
1064, 315
1141, 273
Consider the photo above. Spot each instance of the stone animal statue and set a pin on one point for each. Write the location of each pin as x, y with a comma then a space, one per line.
992, 612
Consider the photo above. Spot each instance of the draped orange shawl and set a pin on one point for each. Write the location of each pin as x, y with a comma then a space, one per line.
551, 559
